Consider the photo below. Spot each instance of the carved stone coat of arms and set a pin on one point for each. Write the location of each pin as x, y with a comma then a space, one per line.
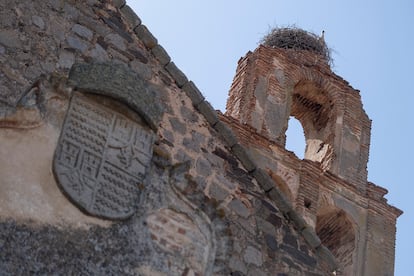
101, 158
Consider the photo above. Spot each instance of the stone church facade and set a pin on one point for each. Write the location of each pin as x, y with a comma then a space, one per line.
112, 162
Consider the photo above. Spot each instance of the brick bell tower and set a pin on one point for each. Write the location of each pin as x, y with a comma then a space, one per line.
289, 75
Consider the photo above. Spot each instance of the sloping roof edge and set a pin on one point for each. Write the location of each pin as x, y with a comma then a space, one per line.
226, 133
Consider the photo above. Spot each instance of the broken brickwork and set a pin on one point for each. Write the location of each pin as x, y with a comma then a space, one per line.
329, 188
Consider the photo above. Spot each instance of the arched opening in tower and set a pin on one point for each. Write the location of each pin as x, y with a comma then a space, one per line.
313, 108
295, 138
336, 232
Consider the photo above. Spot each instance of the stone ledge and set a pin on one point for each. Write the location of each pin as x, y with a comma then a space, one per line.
310, 237
179, 77
146, 36
263, 179
297, 220
208, 112
118, 3
131, 17
226, 133
161, 55
280, 200
193, 93
241, 153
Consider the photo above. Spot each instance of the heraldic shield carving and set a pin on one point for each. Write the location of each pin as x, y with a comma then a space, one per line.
101, 158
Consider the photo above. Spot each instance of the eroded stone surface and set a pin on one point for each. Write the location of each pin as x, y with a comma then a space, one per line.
41, 201
118, 82
101, 159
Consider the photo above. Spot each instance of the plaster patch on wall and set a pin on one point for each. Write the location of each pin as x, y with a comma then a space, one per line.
32, 193
290, 177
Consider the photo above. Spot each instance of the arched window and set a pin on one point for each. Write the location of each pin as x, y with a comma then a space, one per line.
313, 108
295, 138
336, 231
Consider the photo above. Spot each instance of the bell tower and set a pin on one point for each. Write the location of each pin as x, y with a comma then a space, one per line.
289, 75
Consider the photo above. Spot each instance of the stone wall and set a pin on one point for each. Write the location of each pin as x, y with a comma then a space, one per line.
198, 205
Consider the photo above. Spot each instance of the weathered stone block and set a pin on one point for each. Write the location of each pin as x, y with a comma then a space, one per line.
146, 36
10, 39
290, 239
310, 236
217, 192
77, 43
237, 206
325, 254
130, 16
280, 200
38, 22
98, 53
193, 143
178, 125
269, 206
193, 93
161, 55
244, 157
226, 133
66, 59
253, 256
263, 179
238, 267
297, 219
179, 77
275, 220
208, 111
119, 82
118, 3
82, 31
265, 226
143, 70
300, 256
271, 242
117, 41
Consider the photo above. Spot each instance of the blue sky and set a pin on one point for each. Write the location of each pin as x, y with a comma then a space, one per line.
373, 49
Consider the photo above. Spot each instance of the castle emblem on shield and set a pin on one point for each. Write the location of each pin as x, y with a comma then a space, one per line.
101, 159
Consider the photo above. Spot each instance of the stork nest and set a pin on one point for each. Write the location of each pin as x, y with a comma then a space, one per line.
297, 39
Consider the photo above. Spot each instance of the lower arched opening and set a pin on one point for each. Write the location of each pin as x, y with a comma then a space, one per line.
337, 233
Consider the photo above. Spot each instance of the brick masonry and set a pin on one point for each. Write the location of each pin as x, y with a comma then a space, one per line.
329, 188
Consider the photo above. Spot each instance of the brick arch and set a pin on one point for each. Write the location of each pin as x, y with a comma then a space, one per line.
317, 104
315, 109
338, 232
319, 78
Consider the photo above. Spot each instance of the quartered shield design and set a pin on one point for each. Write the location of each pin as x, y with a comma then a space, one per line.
101, 158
